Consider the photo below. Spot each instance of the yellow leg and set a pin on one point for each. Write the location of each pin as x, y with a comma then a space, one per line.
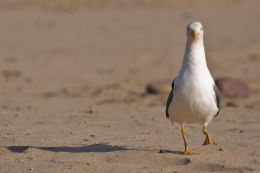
209, 139
187, 151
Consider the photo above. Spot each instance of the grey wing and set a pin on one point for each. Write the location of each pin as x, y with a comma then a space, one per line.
169, 100
217, 98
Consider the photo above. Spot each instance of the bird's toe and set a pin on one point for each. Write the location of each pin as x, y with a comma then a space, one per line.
189, 151
210, 140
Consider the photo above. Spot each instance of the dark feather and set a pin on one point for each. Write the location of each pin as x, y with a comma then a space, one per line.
169, 100
217, 98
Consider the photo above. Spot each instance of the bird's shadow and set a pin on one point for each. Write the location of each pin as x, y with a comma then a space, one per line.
95, 148
172, 152
69, 149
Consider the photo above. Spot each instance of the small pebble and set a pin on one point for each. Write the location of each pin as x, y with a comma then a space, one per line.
186, 161
29, 107
231, 104
4, 107
253, 57
28, 80
91, 110
162, 151
159, 87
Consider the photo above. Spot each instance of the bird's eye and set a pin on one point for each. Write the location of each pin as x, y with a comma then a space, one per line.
201, 28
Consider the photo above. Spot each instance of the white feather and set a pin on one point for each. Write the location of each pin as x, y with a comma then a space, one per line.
193, 97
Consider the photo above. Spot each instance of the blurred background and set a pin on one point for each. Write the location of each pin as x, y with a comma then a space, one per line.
75, 73
99, 42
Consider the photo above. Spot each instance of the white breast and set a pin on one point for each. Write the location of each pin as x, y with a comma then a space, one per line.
193, 98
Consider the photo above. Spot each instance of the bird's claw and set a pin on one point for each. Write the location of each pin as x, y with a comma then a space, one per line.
210, 140
188, 151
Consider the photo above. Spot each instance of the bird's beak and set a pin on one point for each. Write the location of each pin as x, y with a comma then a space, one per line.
195, 35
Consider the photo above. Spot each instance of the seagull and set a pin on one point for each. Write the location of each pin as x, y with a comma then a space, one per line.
194, 97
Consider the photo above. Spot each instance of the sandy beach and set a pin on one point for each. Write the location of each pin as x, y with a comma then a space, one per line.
73, 79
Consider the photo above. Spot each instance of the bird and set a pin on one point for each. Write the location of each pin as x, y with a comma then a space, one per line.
194, 97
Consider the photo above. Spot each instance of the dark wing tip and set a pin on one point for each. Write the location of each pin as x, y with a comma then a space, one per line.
217, 98
169, 100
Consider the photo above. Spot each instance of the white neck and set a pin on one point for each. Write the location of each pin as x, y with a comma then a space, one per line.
194, 56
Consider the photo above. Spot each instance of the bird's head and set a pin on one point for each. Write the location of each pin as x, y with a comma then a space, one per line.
195, 32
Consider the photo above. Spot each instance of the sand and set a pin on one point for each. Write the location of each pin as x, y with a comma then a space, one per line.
73, 79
